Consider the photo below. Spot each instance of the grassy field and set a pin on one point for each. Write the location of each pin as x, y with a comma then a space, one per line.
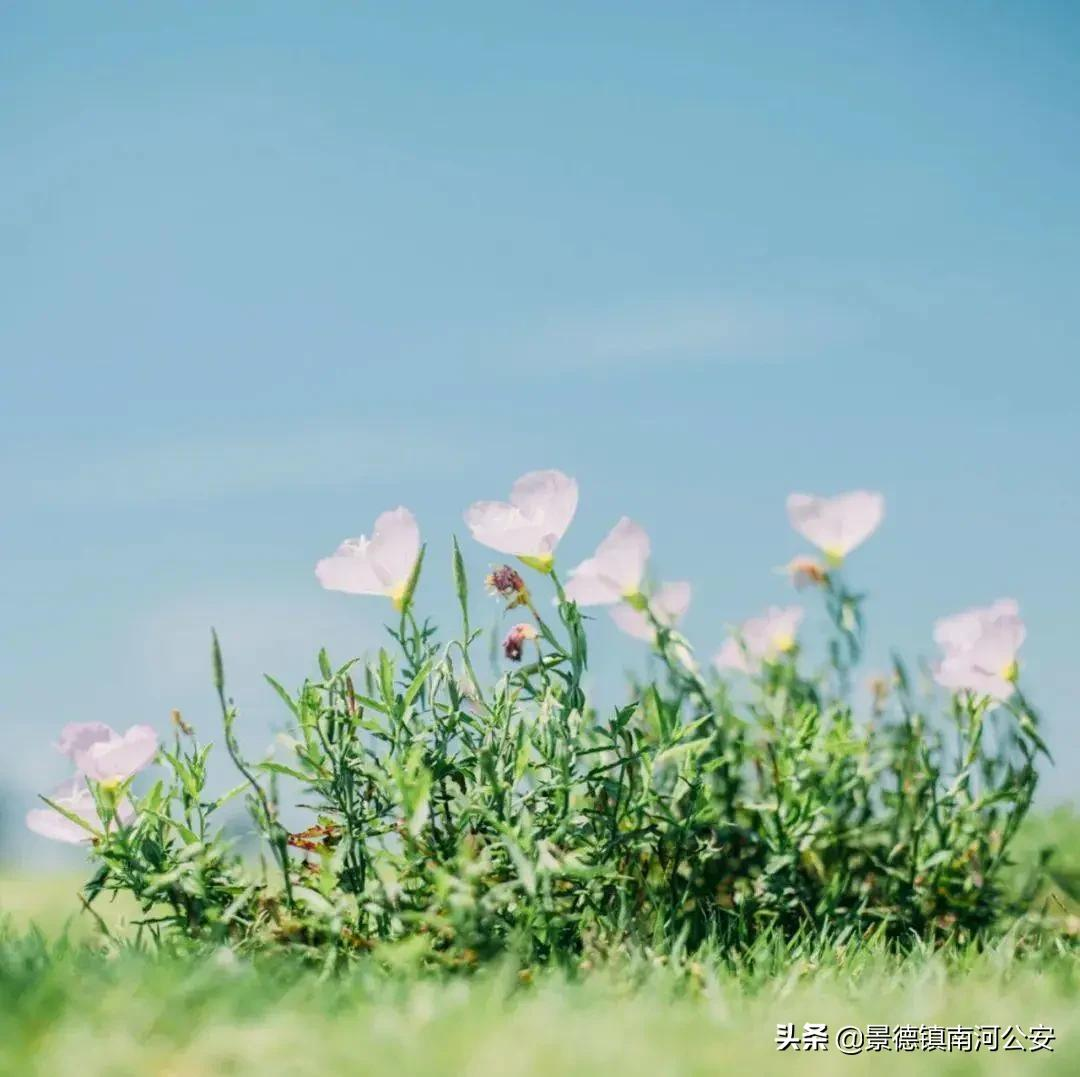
69, 1007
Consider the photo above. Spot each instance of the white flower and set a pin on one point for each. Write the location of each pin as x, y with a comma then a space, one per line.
614, 573
761, 639
107, 756
75, 797
380, 565
979, 649
668, 604
77, 736
531, 523
961, 631
836, 525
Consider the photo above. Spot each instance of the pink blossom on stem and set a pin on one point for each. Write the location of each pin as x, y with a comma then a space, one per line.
979, 650
615, 572
668, 605
78, 736
118, 756
380, 565
761, 639
531, 523
74, 796
836, 525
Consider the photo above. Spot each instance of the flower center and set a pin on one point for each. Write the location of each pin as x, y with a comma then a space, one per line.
1011, 672
784, 642
542, 563
397, 595
834, 555
636, 600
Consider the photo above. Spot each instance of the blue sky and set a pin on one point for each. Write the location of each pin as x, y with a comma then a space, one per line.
268, 270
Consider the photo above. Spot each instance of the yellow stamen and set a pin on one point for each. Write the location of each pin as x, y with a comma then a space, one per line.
397, 595
544, 563
1011, 672
834, 556
784, 642
635, 599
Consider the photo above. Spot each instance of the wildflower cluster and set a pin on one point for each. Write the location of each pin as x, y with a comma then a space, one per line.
724, 801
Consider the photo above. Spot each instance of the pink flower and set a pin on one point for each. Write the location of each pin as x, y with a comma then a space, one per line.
761, 639
75, 796
836, 525
380, 565
962, 631
979, 650
531, 523
77, 736
669, 605
614, 573
107, 756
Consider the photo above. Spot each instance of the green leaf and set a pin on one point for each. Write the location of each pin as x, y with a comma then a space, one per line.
189, 836
417, 683
386, 678
70, 815
285, 697
461, 584
414, 579
272, 767
217, 663
226, 797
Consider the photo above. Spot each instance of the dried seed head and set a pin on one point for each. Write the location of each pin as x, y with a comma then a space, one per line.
178, 721
516, 639
507, 583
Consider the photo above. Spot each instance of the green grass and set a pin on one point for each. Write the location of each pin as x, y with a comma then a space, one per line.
66, 1011
68, 1005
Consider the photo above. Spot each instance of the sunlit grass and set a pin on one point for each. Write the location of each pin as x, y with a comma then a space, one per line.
75, 1004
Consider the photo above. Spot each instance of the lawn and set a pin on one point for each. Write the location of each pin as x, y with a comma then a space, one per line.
74, 1005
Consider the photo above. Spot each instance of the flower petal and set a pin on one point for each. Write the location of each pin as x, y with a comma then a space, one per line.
671, 601
120, 758
77, 736
959, 674
633, 622
74, 796
541, 506
51, 824
350, 569
549, 496
588, 586
395, 546
731, 656
502, 527
838, 524
624, 554
962, 630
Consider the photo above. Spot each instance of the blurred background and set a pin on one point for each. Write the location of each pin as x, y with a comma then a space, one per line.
267, 270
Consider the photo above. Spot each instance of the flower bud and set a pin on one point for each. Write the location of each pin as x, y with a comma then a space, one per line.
806, 571
516, 639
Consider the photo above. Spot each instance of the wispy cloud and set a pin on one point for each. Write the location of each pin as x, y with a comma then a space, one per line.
729, 328
209, 466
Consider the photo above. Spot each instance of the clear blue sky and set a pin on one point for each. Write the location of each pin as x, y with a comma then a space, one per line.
266, 270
